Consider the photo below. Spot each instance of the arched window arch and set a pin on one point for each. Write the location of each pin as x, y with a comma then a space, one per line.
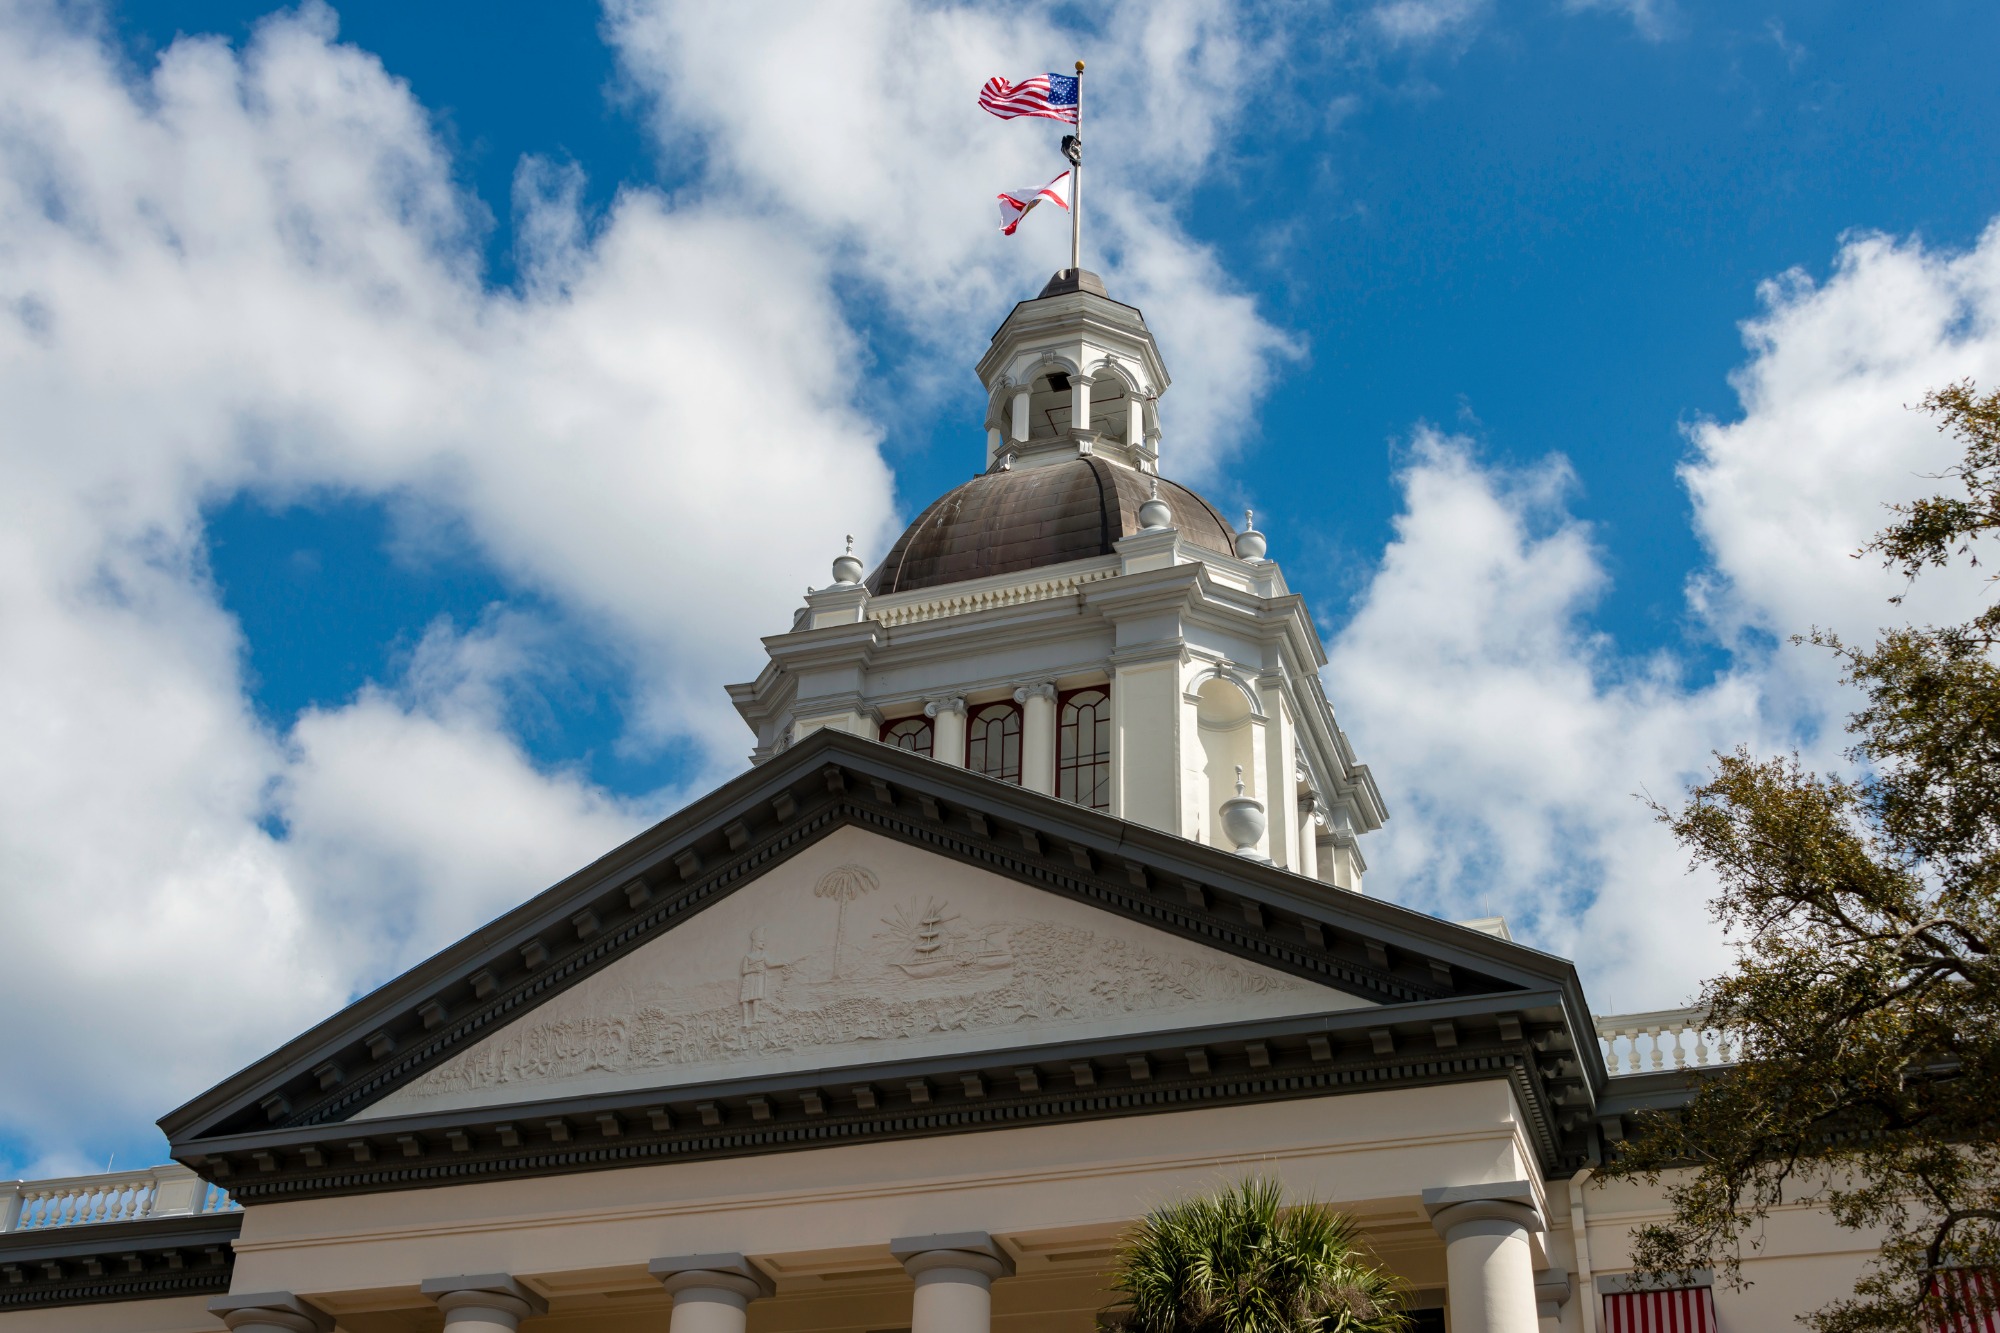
993, 741
1083, 747
909, 733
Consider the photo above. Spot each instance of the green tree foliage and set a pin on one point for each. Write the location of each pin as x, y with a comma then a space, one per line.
1240, 1261
1865, 911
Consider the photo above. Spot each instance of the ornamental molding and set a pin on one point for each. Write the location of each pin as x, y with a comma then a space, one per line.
306, 1094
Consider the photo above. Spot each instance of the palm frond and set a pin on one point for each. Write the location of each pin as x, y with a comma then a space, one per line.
1241, 1261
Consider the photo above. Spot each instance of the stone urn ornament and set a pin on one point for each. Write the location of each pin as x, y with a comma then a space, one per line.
1243, 820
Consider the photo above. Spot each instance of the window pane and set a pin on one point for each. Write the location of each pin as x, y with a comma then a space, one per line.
993, 742
912, 733
1083, 749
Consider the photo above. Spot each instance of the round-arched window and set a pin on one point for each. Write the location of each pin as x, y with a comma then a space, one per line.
993, 741
1083, 748
910, 733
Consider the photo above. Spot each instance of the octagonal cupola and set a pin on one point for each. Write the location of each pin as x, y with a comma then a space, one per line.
1073, 373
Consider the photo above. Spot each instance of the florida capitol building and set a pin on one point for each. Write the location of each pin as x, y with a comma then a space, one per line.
1041, 905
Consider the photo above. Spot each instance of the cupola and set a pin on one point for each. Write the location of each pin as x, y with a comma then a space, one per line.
1074, 623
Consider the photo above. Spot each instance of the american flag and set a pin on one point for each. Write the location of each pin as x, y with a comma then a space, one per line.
1051, 96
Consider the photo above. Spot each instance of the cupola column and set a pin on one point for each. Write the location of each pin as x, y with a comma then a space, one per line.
712, 1292
1018, 421
954, 1275
1038, 736
1079, 404
947, 717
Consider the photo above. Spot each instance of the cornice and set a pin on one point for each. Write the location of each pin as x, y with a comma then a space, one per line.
1512, 1037
1367, 948
117, 1261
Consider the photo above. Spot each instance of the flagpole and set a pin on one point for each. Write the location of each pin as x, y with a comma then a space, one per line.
1076, 183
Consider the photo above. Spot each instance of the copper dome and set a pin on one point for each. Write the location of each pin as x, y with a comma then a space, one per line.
1005, 522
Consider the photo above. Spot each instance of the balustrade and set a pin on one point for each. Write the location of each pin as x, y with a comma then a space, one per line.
1663, 1039
118, 1196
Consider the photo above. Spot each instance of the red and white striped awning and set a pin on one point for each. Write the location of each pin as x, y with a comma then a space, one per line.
1978, 1289
1684, 1310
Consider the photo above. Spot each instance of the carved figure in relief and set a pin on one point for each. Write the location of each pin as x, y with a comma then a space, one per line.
927, 972
756, 967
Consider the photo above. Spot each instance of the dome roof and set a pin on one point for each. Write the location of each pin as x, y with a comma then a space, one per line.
1026, 518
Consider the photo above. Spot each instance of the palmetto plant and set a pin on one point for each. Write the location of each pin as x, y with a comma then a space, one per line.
844, 884
1240, 1261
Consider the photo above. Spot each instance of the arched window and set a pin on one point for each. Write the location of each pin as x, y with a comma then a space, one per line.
910, 733
1083, 748
993, 741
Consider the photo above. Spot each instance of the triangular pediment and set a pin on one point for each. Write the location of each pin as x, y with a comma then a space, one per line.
858, 950
1004, 957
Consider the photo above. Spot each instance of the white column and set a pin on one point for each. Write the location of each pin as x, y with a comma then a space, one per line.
1038, 736
1135, 420
1489, 1262
270, 1312
712, 1292
1020, 415
485, 1303
1079, 403
954, 1275
1308, 838
947, 730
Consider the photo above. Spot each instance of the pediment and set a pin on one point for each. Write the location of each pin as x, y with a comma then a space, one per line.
860, 949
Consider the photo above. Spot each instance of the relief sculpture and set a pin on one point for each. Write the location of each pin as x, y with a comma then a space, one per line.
802, 974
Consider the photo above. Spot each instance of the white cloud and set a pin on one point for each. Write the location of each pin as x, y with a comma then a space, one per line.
1512, 740
1421, 22
249, 272
860, 121
1654, 20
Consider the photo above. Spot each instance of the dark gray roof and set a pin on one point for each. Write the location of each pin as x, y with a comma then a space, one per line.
1028, 518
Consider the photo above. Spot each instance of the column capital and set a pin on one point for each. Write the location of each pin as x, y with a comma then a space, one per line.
262, 1311
493, 1298
950, 703
729, 1278
1041, 689
1508, 1203
953, 1252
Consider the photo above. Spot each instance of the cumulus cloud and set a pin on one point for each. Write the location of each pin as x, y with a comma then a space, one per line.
860, 121
1514, 742
249, 272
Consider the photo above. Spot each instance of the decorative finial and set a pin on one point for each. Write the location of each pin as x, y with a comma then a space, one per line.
1155, 513
847, 568
1243, 821
1250, 543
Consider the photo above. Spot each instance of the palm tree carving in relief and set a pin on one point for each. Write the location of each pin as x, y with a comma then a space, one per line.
844, 884
1242, 1261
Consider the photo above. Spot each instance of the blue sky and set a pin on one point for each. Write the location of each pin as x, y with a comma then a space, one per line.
1544, 230
424, 409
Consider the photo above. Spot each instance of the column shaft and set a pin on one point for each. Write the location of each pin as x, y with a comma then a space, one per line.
709, 1310
1038, 737
952, 1300
947, 730
954, 1276
1489, 1264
